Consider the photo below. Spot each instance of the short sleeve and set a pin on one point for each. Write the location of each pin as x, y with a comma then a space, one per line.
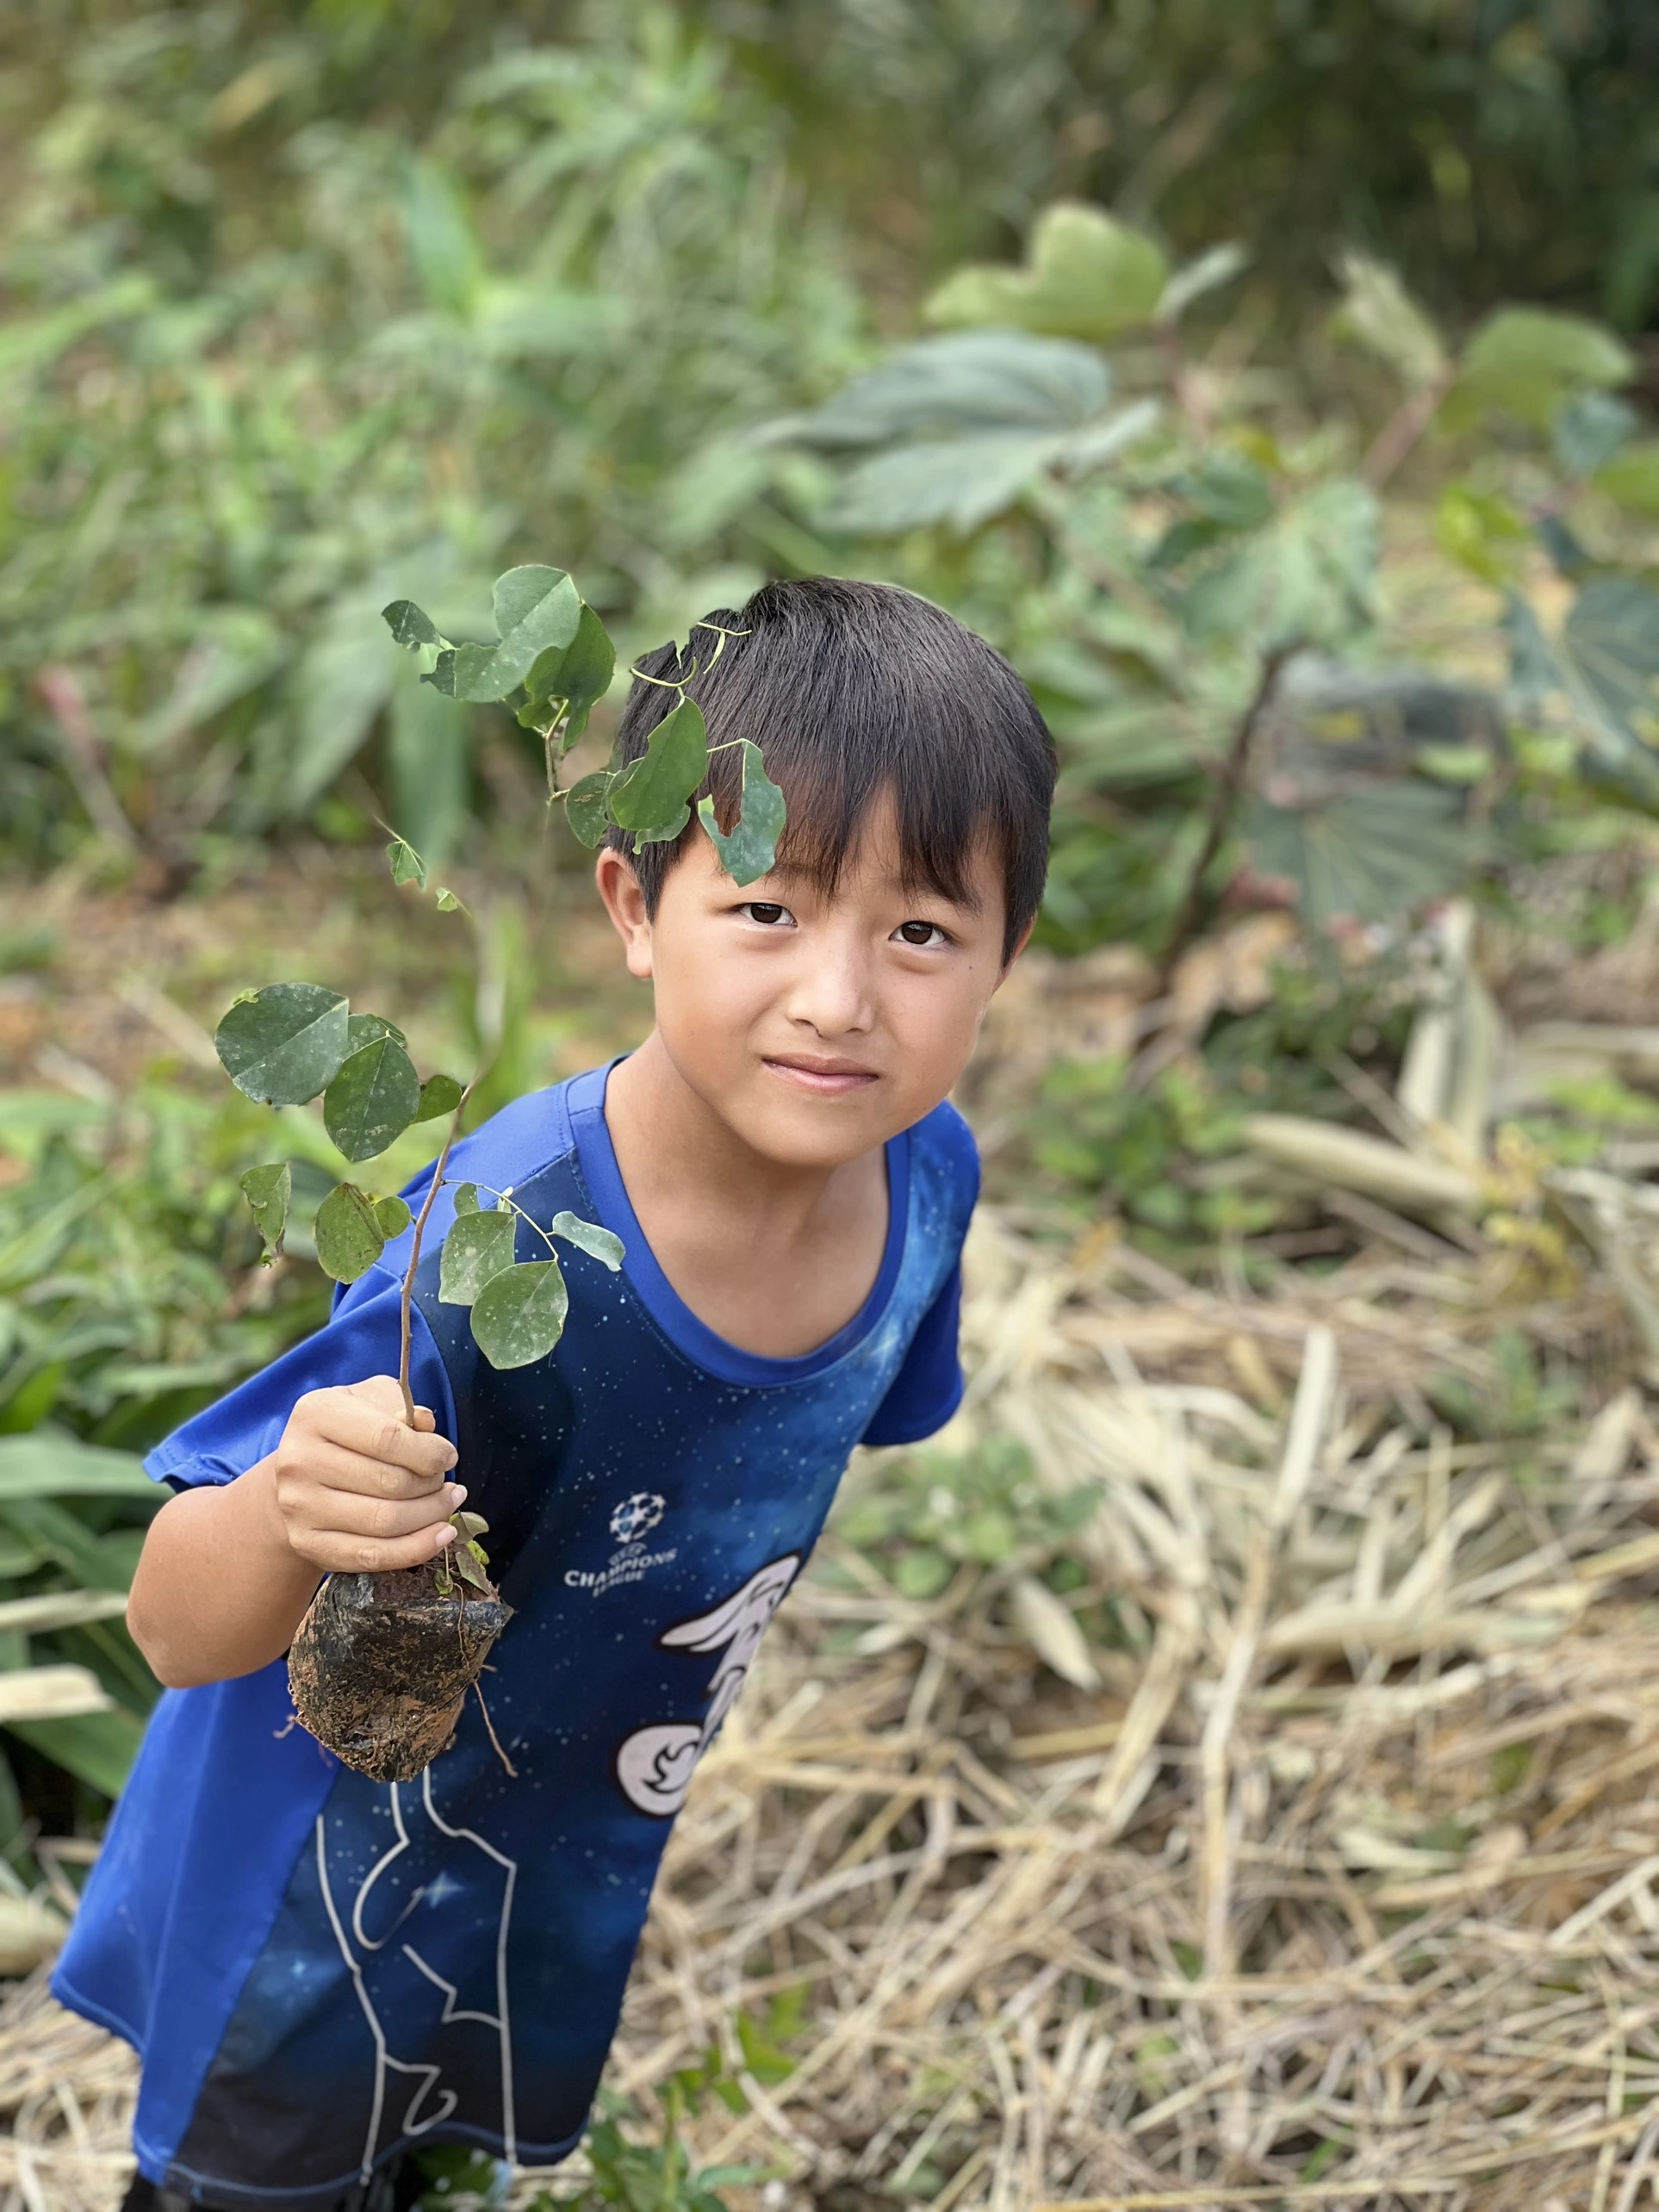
928, 1388
363, 1338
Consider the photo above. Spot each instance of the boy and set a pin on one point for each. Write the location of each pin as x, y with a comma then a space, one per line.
324, 1974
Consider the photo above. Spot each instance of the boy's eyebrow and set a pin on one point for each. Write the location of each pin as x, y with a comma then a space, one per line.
785, 873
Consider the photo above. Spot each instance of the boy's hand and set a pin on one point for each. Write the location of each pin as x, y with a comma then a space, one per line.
359, 1491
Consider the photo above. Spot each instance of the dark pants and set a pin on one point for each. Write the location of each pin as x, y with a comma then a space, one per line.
395, 2188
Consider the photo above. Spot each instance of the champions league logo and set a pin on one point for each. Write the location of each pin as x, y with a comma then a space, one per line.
637, 1516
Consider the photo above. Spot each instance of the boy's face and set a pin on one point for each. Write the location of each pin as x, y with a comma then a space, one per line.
815, 1028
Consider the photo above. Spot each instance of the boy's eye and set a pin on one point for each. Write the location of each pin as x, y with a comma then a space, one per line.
767, 913
920, 933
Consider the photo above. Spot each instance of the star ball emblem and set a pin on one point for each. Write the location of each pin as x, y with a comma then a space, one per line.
637, 1516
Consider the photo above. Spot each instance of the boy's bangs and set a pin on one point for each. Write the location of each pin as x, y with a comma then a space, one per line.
852, 692
830, 790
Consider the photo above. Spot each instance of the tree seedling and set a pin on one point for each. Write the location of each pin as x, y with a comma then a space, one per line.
289, 1044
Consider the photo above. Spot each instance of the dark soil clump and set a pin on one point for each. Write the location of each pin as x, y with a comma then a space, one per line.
382, 1664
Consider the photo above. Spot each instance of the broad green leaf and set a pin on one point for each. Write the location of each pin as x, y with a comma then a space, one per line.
1590, 430
519, 1316
1088, 276
474, 675
284, 1044
478, 1248
662, 833
751, 849
1374, 854
409, 625
466, 1197
45, 1465
1610, 644
959, 481
341, 682
446, 902
650, 789
463, 1559
585, 808
362, 1029
442, 240
407, 867
98, 1747
970, 383
393, 1215
1631, 476
1306, 579
428, 752
1378, 313
599, 1244
580, 672
350, 1238
101, 1562
536, 609
439, 1094
470, 1525
269, 1191
372, 1100
1229, 490
1526, 361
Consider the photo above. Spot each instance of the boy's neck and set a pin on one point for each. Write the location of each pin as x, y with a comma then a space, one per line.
668, 1139
773, 1256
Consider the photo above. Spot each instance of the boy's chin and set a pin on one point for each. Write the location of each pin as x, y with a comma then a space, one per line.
812, 1132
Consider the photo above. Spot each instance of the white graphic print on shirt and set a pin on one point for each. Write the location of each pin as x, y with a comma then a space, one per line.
653, 1765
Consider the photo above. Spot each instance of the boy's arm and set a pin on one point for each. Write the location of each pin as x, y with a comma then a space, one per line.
228, 1569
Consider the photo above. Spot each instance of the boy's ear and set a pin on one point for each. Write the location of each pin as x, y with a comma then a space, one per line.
1025, 938
624, 902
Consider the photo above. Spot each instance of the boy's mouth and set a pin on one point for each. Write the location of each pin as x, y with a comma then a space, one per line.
827, 1077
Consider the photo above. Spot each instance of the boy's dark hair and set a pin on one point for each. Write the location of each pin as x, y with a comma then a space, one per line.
850, 689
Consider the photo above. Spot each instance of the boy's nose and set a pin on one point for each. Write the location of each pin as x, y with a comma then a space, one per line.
832, 992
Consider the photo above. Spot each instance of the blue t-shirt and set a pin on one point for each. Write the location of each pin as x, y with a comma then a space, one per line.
320, 1970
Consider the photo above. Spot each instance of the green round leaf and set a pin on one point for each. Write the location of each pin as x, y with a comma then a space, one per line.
408, 625
585, 808
599, 1243
478, 1248
466, 1197
350, 1238
1089, 277
363, 1028
751, 850
651, 790
268, 1190
284, 1044
664, 833
373, 1099
580, 672
393, 1215
407, 865
519, 1315
439, 1094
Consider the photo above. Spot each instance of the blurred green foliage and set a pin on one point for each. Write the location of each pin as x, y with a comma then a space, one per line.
932, 1513
130, 1296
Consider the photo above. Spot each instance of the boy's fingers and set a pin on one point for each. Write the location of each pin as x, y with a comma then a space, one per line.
340, 1554
359, 1428
349, 1513
330, 1467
